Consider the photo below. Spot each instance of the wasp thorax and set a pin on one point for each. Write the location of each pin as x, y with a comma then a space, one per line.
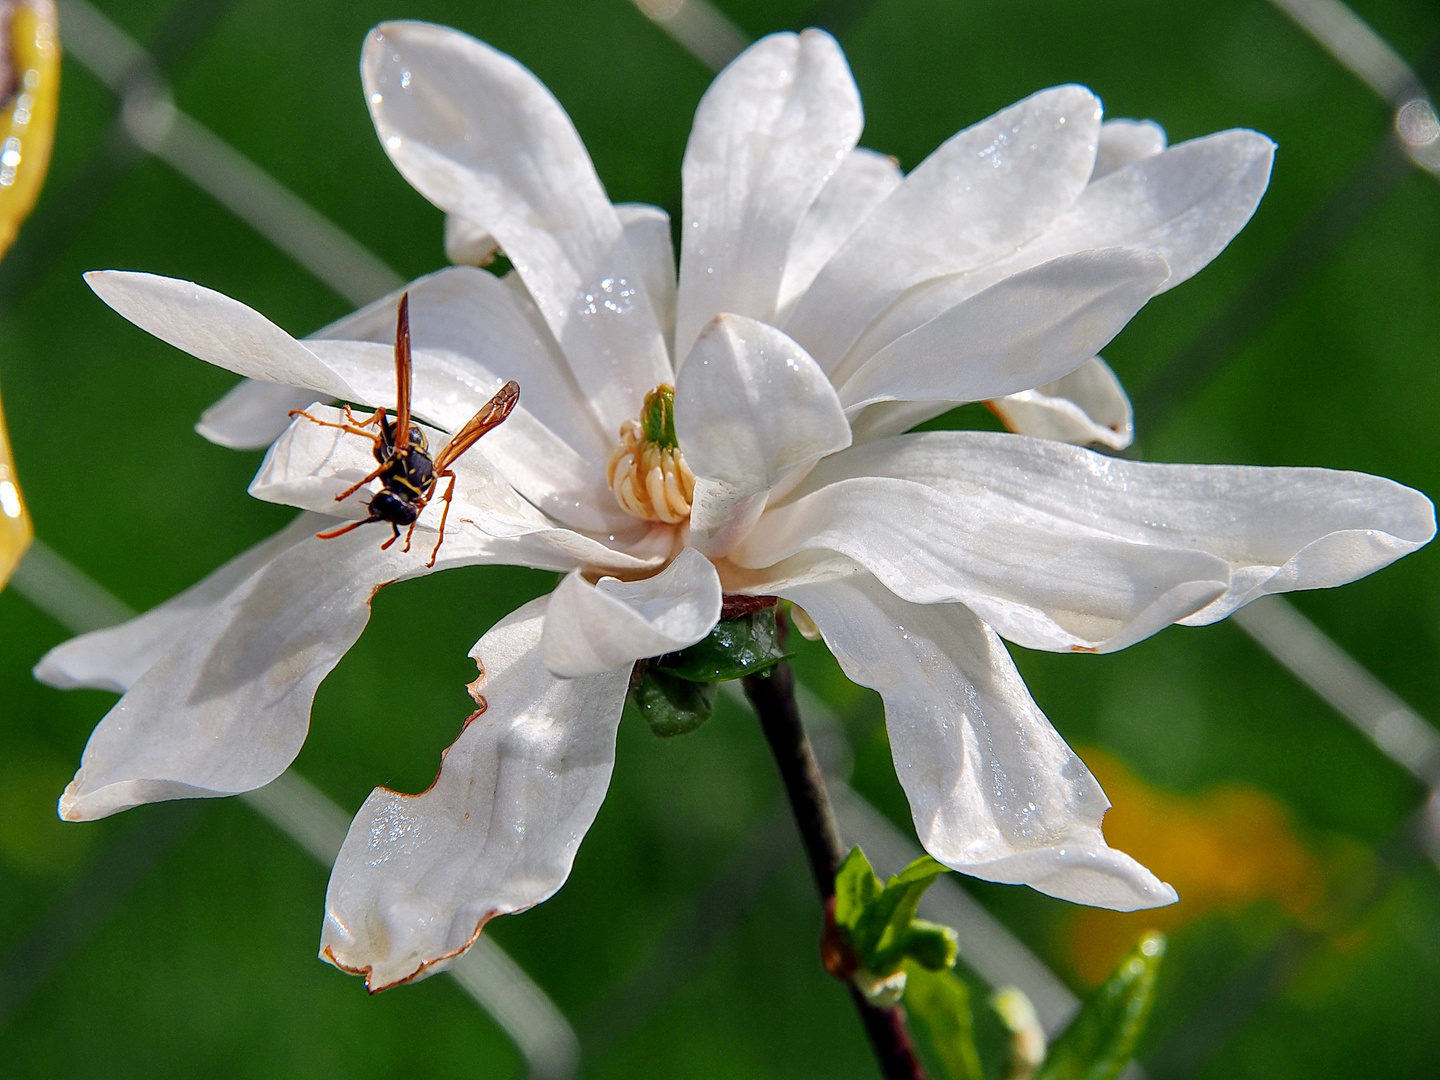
646, 471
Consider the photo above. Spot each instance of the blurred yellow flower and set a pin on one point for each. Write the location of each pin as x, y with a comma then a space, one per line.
29, 95
1223, 849
15, 529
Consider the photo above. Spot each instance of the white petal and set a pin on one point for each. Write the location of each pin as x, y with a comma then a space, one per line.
769, 132
420, 875
1124, 141
864, 180
113, 658
590, 629
226, 708
1020, 333
990, 188
312, 463
751, 407
648, 230
994, 791
482, 138
252, 414
1039, 579
215, 328
469, 335
886, 418
1087, 407
1279, 529
1186, 203
468, 244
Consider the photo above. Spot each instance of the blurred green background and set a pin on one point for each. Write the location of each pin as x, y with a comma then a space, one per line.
183, 936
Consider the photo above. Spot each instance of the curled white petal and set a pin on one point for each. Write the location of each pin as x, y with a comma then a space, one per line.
1029, 329
482, 138
751, 407
1277, 529
1040, 579
647, 228
214, 328
420, 875
226, 707
862, 182
468, 244
768, 134
993, 789
252, 414
1088, 407
1186, 203
986, 190
1126, 141
607, 626
113, 658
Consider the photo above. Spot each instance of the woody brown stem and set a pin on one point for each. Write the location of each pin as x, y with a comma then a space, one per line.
773, 696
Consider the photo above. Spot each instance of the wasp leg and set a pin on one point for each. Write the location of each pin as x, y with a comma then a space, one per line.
361, 483
354, 427
444, 513
377, 417
394, 535
343, 529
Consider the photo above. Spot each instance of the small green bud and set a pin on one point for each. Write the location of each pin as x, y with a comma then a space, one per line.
1027, 1037
882, 991
735, 648
672, 706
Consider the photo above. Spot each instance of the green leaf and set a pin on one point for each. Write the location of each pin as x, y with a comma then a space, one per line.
855, 886
923, 870
737, 647
941, 1001
1099, 1043
931, 945
880, 934
673, 706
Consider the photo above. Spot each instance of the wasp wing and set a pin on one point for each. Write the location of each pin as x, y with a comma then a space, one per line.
490, 416
403, 369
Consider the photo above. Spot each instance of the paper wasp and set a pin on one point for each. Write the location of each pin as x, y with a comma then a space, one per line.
408, 475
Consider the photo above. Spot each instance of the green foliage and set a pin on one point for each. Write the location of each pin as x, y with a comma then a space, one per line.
929, 944
676, 693
745, 645
941, 1001
879, 926
856, 885
879, 922
1099, 1042
673, 706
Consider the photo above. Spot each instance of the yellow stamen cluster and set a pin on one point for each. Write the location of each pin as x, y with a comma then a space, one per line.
646, 470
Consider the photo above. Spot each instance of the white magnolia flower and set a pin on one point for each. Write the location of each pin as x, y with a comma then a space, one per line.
824, 304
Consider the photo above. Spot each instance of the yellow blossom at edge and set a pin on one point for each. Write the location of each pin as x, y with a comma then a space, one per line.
27, 133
